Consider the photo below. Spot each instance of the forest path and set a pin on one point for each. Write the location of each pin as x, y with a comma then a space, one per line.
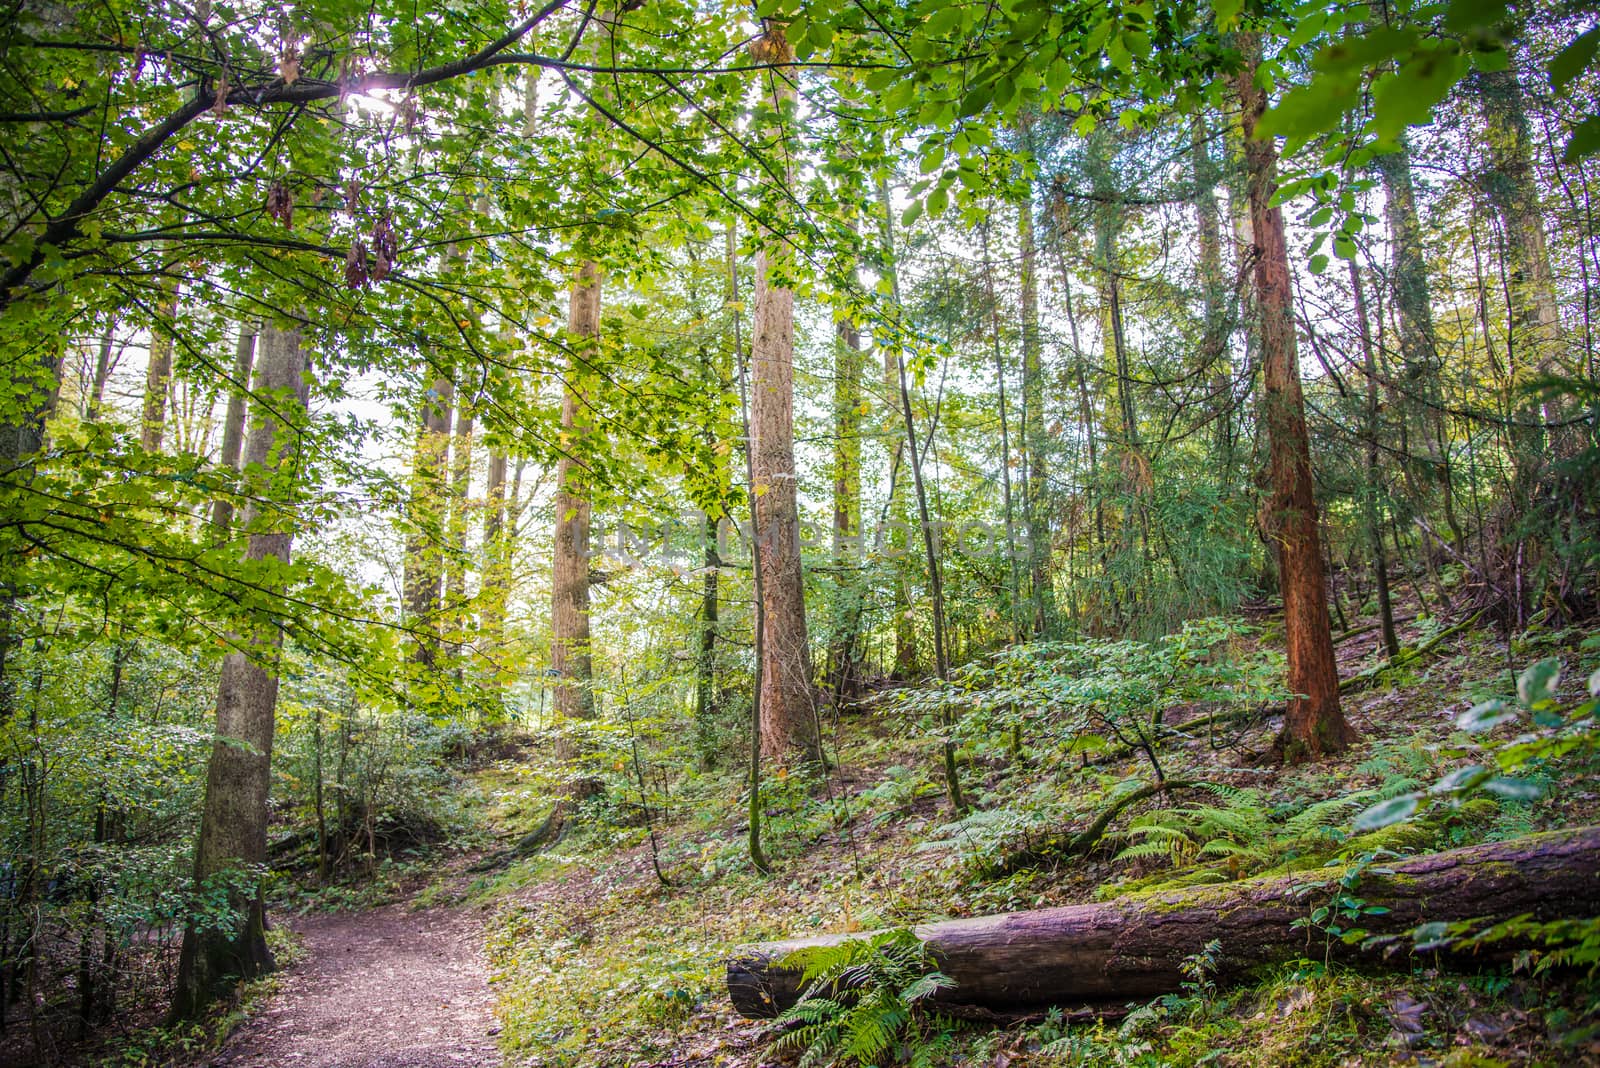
389, 987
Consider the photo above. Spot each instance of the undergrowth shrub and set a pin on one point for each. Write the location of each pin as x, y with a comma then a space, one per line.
864, 1000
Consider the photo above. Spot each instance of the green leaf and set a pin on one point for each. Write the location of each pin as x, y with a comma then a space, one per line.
1538, 682
1571, 60
1386, 813
1514, 789
1407, 97
1466, 15
975, 101
1486, 715
1585, 140
1227, 12
1319, 263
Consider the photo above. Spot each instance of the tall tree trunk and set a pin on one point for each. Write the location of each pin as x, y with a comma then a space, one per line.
1369, 492
1314, 726
426, 510
1015, 606
455, 570
102, 372
930, 547
233, 422
1034, 442
1513, 191
233, 820
1419, 346
1213, 361
158, 372
496, 556
570, 659
848, 362
788, 715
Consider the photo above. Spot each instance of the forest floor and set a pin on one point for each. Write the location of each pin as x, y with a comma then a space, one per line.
583, 956
389, 987
599, 962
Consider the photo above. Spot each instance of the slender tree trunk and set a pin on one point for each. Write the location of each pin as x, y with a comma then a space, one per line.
233, 423
424, 574
570, 658
788, 713
455, 570
1014, 614
929, 546
158, 373
848, 364
1034, 440
102, 372
758, 720
1419, 346
1315, 726
233, 820
496, 555
1213, 296
1369, 493
1513, 191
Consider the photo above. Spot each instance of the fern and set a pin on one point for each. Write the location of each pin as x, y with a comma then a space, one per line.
859, 998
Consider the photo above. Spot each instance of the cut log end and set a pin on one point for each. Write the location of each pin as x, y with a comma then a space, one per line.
758, 989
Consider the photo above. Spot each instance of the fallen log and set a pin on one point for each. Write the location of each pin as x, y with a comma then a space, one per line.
1133, 948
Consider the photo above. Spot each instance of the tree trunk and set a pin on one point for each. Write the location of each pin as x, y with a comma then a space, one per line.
424, 574
1015, 606
1314, 726
788, 716
1036, 467
1419, 346
1135, 948
158, 373
1369, 492
455, 569
233, 820
1513, 191
494, 587
570, 660
848, 362
233, 423
1213, 361
102, 372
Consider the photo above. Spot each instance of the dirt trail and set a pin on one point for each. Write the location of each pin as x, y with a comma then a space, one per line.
385, 988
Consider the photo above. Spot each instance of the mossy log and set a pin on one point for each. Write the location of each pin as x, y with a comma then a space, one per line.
1134, 947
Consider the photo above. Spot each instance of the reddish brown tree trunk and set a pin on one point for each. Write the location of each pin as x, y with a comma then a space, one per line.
1314, 726
788, 718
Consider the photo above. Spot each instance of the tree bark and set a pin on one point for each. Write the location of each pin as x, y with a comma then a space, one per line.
570, 659
233, 820
1315, 725
244, 353
158, 373
455, 569
424, 573
1134, 948
848, 362
1369, 492
102, 372
1036, 466
788, 715
1006, 505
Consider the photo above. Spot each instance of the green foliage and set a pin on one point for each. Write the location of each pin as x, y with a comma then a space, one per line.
863, 1003
1507, 769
